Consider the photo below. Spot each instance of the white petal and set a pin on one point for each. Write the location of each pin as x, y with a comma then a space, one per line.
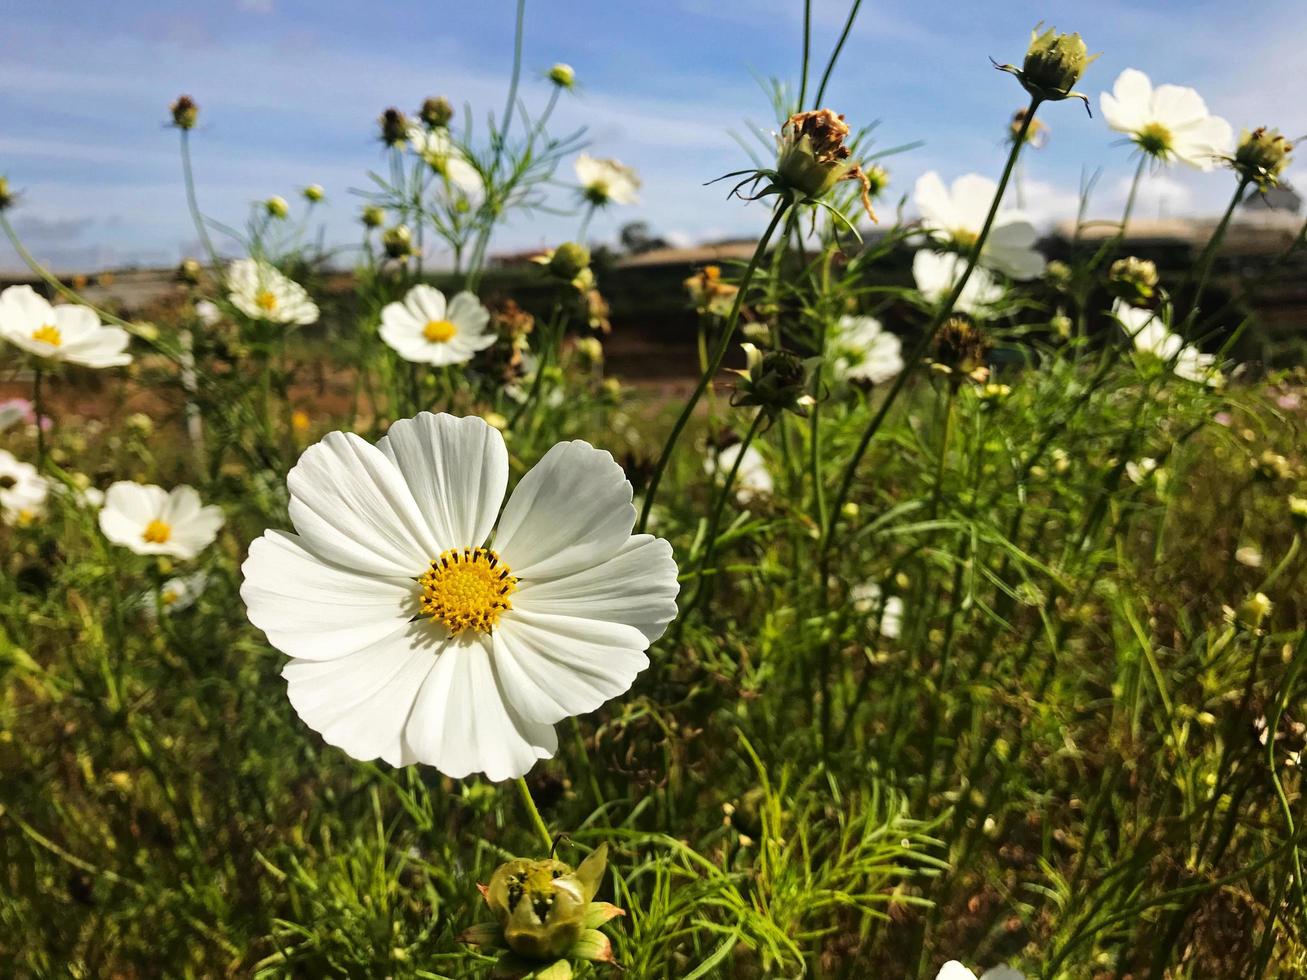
953, 970
461, 723
972, 197
933, 201
637, 587
360, 703
1128, 108
352, 507
312, 610
571, 511
425, 303
1175, 106
457, 470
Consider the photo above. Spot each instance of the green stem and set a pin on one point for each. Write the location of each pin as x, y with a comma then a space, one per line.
723, 345
807, 50
835, 55
1209, 253
38, 406
193, 203
537, 821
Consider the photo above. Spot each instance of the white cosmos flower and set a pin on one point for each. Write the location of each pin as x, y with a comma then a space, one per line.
438, 150
953, 970
605, 180
1152, 338
261, 292
937, 272
867, 601
752, 480
420, 633
13, 410
425, 329
23, 490
152, 521
60, 333
1169, 122
177, 594
862, 349
957, 215
208, 312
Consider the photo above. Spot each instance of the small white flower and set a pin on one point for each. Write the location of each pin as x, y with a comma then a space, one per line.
89, 497
418, 637
152, 521
953, 970
1141, 470
208, 312
1152, 339
1169, 122
957, 215
177, 594
69, 333
860, 348
12, 411
438, 150
937, 272
604, 181
752, 480
426, 330
23, 490
867, 601
261, 292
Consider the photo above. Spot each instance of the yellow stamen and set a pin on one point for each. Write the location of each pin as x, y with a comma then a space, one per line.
266, 300
169, 596
1155, 139
439, 331
157, 532
48, 333
467, 588
965, 239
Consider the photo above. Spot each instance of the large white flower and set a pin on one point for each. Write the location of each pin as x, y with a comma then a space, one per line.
604, 181
438, 150
152, 521
261, 292
936, 273
426, 329
957, 215
1152, 338
418, 636
752, 479
1169, 122
860, 348
23, 490
953, 970
60, 333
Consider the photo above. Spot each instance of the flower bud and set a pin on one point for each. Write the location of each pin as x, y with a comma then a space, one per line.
6, 195
1133, 280
961, 347
590, 351
1262, 156
185, 112
189, 271
314, 193
1054, 63
373, 216
562, 75
1253, 611
569, 260
436, 112
542, 905
394, 127
877, 180
813, 157
398, 242
276, 207
776, 381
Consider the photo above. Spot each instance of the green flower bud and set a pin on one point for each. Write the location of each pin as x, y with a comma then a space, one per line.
1262, 156
436, 111
776, 381
398, 242
1054, 63
1133, 280
543, 906
6, 195
276, 207
394, 127
314, 193
569, 260
189, 271
1253, 611
562, 75
1058, 274
877, 180
373, 216
185, 112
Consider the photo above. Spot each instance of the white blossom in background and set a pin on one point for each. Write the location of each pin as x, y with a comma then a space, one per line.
436, 147
426, 329
262, 292
605, 181
936, 273
752, 480
23, 491
1152, 338
860, 348
867, 600
66, 333
152, 521
957, 215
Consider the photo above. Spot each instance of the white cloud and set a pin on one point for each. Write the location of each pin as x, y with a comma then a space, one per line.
256, 6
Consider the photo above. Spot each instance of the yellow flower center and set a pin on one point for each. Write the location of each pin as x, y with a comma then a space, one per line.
169, 596
265, 300
48, 333
965, 239
439, 331
467, 588
26, 517
1154, 139
157, 532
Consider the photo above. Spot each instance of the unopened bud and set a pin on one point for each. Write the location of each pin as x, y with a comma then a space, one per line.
276, 207
562, 75
314, 193
398, 242
185, 112
394, 127
569, 260
373, 216
1262, 156
436, 111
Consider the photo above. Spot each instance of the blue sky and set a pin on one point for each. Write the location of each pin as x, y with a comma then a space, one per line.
289, 91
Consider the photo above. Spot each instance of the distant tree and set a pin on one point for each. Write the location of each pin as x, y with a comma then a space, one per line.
636, 238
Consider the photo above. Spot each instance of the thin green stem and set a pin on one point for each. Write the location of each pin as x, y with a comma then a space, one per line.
835, 54
537, 821
1205, 261
193, 203
807, 51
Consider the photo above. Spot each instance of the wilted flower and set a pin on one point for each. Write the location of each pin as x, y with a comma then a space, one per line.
962, 347
152, 521
483, 649
1167, 123
544, 911
596, 311
1054, 63
261, 292
185, 113
957, 215
276, 207
605, 181
936, 274
562, 75
394, 127
436, 111
426, 330
812, 157
1133, 280
709, 293
1271, 466
66, 333
859, 348
372, 216
398, 242
776, 382
1152, 339
752, 480
314, 193
23, 491
1261, 156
